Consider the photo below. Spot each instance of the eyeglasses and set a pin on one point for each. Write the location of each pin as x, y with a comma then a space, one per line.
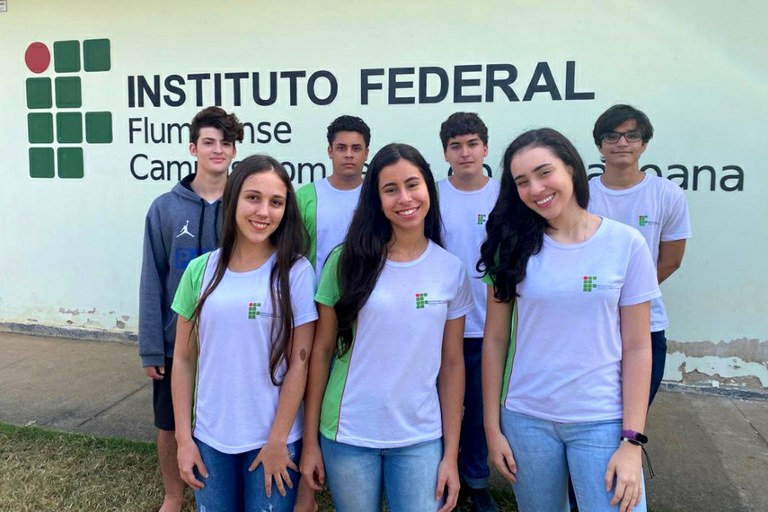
630, 136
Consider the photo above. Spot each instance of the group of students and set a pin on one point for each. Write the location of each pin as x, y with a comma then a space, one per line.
368, 333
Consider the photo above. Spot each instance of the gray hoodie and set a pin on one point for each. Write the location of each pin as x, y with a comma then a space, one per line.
180, 225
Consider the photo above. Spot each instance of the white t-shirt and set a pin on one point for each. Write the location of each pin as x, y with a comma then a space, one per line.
657, 208
565, 348
327, 214
464, 217
383, 392
235, 400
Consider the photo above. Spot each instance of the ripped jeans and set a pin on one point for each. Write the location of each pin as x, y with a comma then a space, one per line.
231, 487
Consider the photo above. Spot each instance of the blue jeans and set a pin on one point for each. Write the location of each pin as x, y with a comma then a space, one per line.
659, 358
473, 451
358, 475
546, 453
231, 487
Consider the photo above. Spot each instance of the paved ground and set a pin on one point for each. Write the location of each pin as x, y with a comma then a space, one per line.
710, 453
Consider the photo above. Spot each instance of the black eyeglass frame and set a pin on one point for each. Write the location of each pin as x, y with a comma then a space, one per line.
629, 136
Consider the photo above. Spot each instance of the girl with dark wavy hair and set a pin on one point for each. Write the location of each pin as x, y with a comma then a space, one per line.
392, 304
243, 338
569, 312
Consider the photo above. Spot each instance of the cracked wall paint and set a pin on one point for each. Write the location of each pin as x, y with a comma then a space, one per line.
716, 371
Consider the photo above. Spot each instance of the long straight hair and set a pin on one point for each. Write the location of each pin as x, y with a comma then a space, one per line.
365, 247
514, 231
290, 240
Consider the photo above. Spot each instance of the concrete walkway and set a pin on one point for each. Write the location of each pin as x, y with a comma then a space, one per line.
710, 453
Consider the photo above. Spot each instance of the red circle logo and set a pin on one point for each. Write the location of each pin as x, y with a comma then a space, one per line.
37, 57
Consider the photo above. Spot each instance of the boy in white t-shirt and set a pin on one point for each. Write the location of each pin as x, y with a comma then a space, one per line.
467, 196
654, 206
327, 205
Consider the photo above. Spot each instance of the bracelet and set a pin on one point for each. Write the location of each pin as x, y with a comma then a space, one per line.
636, 438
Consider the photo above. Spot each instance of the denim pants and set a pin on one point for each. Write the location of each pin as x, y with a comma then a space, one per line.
407, 476
659, 355
547, 452
231, 487
473, 451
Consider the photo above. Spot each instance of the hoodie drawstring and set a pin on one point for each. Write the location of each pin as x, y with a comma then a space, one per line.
216, 227
200, 228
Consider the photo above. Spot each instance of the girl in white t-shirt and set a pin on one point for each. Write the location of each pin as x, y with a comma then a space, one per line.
392, 304
569, 312
243, 339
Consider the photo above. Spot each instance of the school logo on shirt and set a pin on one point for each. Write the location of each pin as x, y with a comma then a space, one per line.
422, 301
481, 219
253, 310
588, 283
643, 220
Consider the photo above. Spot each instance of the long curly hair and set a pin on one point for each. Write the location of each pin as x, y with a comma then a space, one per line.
514, 231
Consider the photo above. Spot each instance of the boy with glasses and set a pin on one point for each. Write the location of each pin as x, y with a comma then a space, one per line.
655, 206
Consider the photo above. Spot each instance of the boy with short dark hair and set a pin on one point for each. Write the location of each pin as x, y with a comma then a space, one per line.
179, 226
467, 196
327, 205
655, 206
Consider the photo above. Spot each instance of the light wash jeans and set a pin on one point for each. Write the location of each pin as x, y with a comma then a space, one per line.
358, 475
231, 487
546, 452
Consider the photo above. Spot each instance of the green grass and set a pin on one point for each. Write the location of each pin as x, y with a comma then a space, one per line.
43, 470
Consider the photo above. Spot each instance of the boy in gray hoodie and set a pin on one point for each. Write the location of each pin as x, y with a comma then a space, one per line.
180, 225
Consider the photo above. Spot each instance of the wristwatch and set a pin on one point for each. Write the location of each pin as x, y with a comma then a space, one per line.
632, 437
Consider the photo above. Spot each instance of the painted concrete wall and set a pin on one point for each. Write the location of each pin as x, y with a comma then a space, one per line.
71, 245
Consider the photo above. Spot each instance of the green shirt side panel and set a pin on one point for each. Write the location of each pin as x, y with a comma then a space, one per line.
328, 292
510, 354
510, 349
185, 302
328, 288
307, 199
188, 291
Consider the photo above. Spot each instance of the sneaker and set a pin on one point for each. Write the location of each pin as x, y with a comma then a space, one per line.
482, 501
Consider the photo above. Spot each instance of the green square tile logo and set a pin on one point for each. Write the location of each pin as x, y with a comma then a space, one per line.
481, 219
588, 283
70, 162
96, 55
65, 133
98, 127
69, 127
66, 56
68, 92
39, 93
40, 128
643, 220
41, 163
421, 300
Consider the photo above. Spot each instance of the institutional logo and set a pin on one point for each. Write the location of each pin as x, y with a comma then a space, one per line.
421, 300
253, 310
588, 283
642, 220
481, 218
57, 126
